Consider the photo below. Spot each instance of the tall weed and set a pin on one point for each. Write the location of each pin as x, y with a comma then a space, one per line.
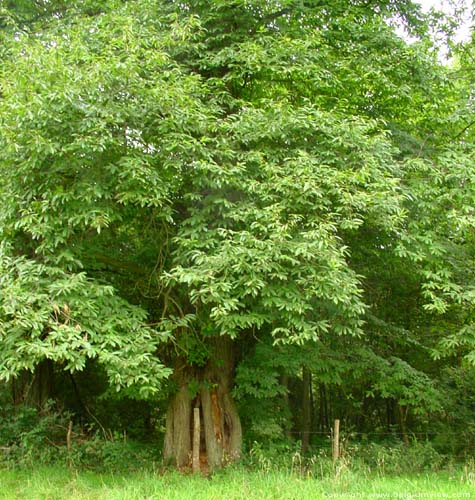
367, 459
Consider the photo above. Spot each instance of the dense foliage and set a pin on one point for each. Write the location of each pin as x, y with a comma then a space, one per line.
268, 202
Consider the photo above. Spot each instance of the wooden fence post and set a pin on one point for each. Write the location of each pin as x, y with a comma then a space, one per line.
336, 440
196, 440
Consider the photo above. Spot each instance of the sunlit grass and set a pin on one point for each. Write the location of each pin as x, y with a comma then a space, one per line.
60, 483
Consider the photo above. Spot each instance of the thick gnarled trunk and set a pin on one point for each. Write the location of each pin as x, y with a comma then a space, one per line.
220, 427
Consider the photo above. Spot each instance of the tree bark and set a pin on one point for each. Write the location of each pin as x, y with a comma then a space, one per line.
214, 428
220, 423
177, 445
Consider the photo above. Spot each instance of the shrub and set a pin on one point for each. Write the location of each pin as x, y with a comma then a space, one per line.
396, 458
113, 455
28, 435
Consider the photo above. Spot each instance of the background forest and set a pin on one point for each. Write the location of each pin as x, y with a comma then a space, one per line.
264, 210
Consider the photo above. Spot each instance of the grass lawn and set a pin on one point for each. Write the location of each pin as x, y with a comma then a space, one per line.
57, 483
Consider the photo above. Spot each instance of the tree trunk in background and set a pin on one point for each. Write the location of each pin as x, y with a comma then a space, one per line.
361, 418
390, 418
33, 388
313, 415
325, 421
220, 422
306, 409
402, 414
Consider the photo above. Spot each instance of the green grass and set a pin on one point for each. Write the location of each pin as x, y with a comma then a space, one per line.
60, 483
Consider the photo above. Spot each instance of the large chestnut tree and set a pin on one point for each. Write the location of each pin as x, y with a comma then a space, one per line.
181, 181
